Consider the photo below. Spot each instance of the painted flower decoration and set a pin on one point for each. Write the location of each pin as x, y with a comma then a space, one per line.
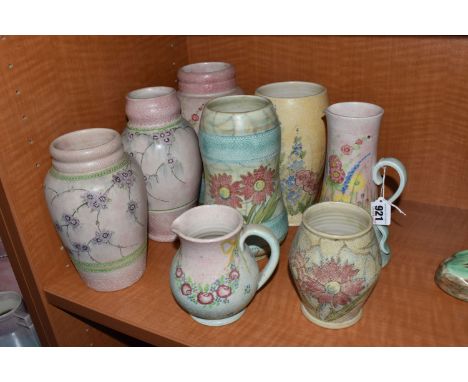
179, 273
124, 178
78, 247
132, 207
223, 291
308, 180
95, 200
358, 141
337, 175
334, 161
297, 148
70, 220
195, 117
102, 237
164, 137
234, 274
186, 289
333, 283
224, 191
346, 149
259, 185
205, 298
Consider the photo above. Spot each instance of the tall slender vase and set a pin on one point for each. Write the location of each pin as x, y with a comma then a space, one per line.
96, 198
300, 108
240, 141
352, 171
166, 148
201, 82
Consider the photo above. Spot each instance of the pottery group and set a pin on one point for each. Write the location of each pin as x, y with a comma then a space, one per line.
260, 160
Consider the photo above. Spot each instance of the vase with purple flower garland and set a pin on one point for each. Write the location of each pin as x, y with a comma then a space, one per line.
96, 197
352, 172
166, 148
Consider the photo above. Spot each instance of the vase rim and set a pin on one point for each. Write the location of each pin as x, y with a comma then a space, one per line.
205, 68
150, 92
355, 110
245, 104
86, 150
205, 210
334, 206
297, 89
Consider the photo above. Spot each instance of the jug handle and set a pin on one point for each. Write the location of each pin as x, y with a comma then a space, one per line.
400, 169
381, 232
266, 234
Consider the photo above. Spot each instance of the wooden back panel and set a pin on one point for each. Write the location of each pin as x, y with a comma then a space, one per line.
421, 82
50, 86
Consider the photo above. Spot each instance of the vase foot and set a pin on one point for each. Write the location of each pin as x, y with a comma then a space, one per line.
331, 325
221, 322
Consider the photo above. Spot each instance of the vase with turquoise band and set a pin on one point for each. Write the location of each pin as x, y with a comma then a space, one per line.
352, 172
96, 197
166, 148
240, 142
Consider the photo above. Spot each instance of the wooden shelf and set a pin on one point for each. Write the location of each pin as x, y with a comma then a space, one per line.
406, 308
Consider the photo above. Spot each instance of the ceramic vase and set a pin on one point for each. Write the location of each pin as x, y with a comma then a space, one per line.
240, 142
201, 82
300, 108
214, 276
166, 148
352, 172
335, 263
96, 198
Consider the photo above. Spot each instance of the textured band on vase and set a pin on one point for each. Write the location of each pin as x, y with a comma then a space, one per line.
238, 148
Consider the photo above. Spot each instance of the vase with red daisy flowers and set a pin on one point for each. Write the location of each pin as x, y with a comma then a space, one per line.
335, 263
240, 141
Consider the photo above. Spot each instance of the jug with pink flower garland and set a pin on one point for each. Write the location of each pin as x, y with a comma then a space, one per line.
214, 276
352, 172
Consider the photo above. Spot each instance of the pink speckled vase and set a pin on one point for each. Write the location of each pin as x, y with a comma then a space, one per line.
201, 82
214, 276
97, 201
166, 148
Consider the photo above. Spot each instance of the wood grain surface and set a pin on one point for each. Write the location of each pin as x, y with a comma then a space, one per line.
405, 309
421, 82
50, 86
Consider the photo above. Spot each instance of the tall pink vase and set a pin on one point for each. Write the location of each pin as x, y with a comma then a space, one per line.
201, 82
166, 148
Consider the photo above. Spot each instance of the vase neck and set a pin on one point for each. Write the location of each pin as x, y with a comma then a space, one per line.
152, 107
206, 78
86, 151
